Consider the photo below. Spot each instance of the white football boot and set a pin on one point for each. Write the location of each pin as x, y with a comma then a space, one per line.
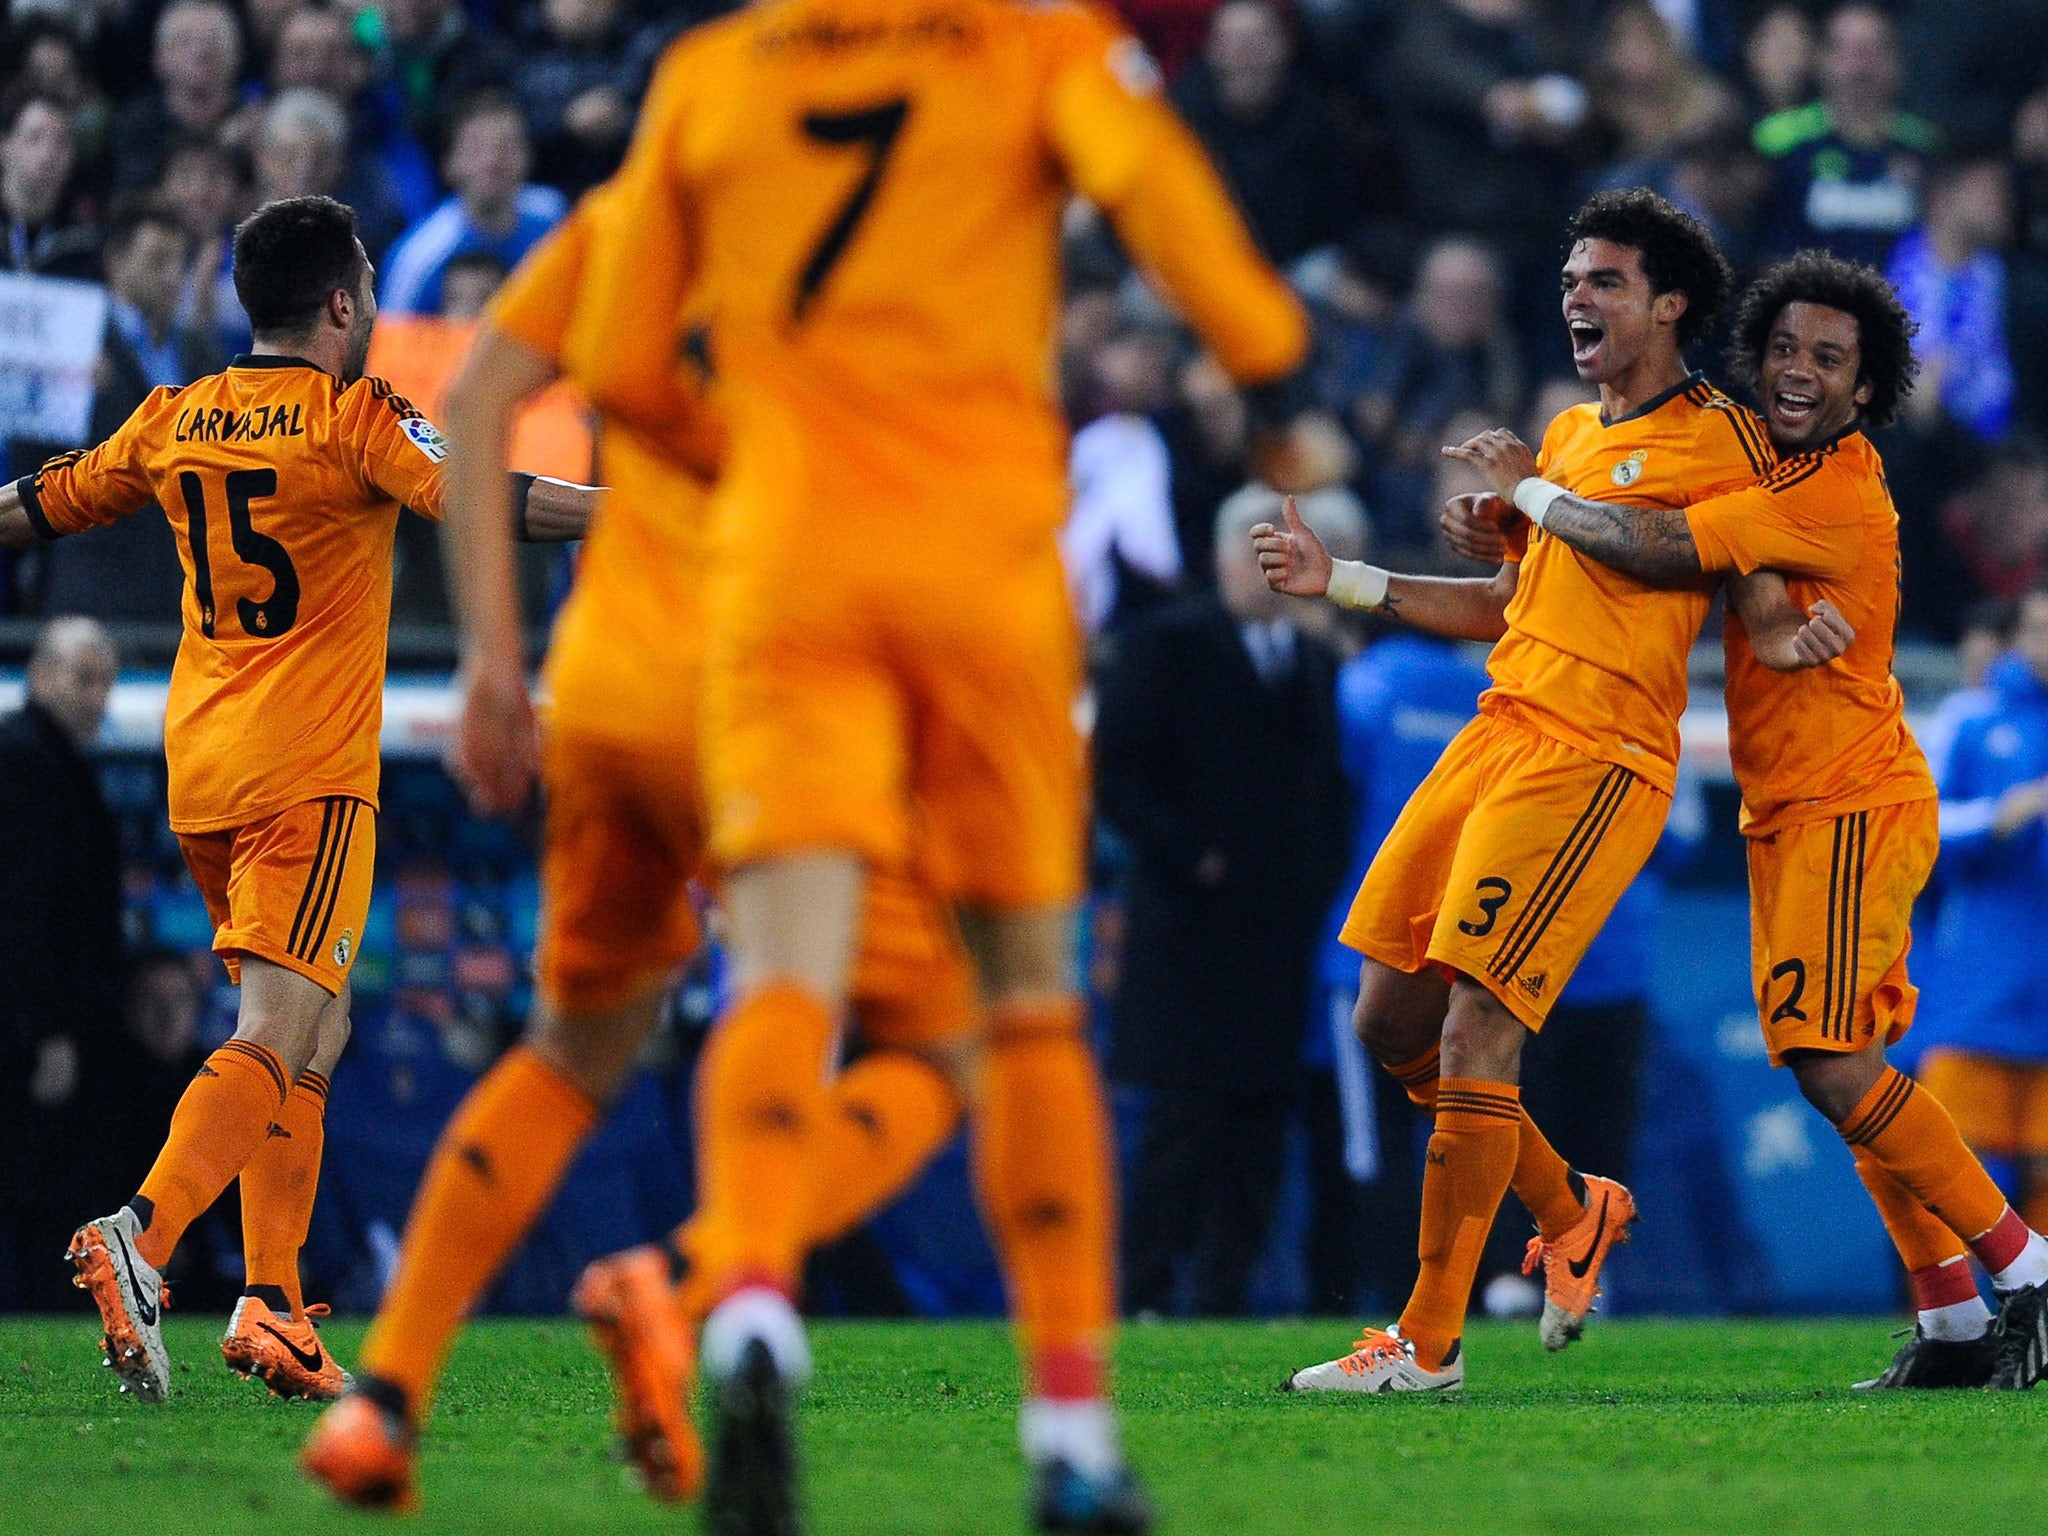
1381, 1361
131, 1299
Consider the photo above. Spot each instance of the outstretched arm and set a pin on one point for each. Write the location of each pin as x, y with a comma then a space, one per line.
1467, 608
1784, 639
16, 531
1648, 543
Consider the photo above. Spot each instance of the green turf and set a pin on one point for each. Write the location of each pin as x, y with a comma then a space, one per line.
1645, 1427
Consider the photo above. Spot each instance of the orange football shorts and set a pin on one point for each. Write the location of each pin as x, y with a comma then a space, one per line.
836, 701
1999, 1105
1830, 921
1505, 863
293, 889
623, 842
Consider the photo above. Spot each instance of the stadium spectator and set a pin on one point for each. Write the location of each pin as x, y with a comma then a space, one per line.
579, 85
302, 146
38, 154
60, 947
1648, 93
1207, 430
1268, 131
1120, 524
1971, 69
385, 174
1987, 634
1216, 752
1450, 351
1778, 60
1716, 176
1173, 31
1950, 273
53, 63
131, 570
203, 185
493, 209
437, 53
1491, 119
2030, 259
1984, 1010
198, 67
1848, 169
1999, 523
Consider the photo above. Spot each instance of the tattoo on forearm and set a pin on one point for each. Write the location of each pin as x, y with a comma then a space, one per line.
1390, 606
1649, 543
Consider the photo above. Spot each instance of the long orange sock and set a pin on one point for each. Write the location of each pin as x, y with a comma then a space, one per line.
886, 1115
1471, 1159
1908, 1133
1923, 1241
1042, 1171
760, 1105
497, 1165
219, 1123
1542, 1179
278, 1185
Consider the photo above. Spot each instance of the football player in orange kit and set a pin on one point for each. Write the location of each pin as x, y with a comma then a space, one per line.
282, 478
1838, 804
623, 840
852, 207
1508, 859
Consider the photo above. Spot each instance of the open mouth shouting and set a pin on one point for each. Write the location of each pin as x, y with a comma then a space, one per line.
1589, 336
1793, 411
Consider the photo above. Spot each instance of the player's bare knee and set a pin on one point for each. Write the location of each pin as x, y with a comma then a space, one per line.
594, 1051
336, 1027
1020, 955
1835, 1082
1399, 1016
1482, 1039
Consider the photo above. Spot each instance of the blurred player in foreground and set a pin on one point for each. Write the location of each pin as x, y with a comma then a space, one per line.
283, 478
855, 209
1839, 808
623, 840
1508, 859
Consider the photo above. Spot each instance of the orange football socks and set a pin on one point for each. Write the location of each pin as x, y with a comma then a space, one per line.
886, 1115
497, 1165
1542, 1179
1905, 1129
219, 1123
278, 1185
761, 1102
1471, 1159
1923, 1240
1043, 1173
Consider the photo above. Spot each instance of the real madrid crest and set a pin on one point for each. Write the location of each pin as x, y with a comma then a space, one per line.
344, 947
1630, 469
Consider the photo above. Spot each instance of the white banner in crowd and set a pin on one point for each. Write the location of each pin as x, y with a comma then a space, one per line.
50, 334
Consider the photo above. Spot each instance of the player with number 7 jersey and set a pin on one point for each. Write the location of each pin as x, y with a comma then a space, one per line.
282, 477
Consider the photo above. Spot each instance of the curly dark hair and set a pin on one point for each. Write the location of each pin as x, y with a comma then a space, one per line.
1678, 253
1884, 331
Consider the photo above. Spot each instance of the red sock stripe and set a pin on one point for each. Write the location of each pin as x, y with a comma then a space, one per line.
2006, 1241
1067, 1373
1943, 1284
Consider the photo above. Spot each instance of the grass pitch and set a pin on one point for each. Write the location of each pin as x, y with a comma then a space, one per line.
1644, 1427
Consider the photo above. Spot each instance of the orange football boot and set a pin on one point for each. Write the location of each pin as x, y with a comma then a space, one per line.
132, 1299
630, 1303
1571, 1265
287, 1356
362, 1453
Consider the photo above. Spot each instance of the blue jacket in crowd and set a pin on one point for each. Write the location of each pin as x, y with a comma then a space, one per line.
1985, 981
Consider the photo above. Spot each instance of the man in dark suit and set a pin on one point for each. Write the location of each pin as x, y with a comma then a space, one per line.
60, 953
1216, 761
130, 571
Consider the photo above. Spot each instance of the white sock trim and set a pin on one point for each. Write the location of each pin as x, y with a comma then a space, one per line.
1958, 1322
2030, 1268
1082, 1434
756, 1313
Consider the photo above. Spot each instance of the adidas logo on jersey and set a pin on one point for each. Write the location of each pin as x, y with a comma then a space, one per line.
1533, 985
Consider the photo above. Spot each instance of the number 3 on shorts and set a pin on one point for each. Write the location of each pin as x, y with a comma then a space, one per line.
1493, 893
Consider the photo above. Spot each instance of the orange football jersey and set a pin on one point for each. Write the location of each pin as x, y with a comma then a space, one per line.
284, 490
1828, 740
1593, 658
853, 208
633, 619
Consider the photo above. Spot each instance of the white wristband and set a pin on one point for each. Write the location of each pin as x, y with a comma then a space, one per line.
1354, 584
1534, 497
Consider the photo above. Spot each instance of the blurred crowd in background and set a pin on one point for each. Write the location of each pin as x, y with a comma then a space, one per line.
1409, 164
